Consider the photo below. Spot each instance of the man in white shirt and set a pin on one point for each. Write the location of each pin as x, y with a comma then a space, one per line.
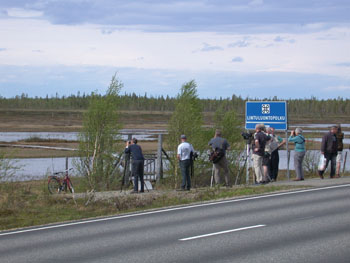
184, 151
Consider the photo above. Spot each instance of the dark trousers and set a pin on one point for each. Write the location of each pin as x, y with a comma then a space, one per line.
185, 166
274, 162
137, 172
332, 157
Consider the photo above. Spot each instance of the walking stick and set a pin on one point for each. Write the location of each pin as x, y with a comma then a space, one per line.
127, 158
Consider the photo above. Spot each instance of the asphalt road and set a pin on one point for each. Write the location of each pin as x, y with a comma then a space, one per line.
303, 226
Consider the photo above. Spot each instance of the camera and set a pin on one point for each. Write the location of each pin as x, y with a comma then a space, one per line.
247, 135
194, 156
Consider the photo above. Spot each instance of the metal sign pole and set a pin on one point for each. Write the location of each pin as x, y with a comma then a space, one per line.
247, 163
288, 156
287, 144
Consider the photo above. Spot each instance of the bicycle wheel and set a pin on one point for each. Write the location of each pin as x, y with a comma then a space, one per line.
70, 186
54, 185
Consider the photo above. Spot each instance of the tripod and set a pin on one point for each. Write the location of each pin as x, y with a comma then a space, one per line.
126, 165
245, 163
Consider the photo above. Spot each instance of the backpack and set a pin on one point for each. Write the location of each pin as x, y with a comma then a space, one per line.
216, 155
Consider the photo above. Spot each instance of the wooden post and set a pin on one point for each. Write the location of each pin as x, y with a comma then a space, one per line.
67, 166
159, 172
127, 165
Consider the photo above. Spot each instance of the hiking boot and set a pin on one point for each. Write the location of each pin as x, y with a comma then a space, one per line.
320, 175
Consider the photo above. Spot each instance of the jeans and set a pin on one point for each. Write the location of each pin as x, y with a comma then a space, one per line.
274, 162
137, 172
185, 166
333, 158
298, 164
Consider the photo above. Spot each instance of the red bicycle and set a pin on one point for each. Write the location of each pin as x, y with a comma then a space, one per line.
58, 183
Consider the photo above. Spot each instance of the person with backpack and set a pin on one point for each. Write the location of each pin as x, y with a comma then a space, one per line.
299, 152
340, 138
184, 154
219, 147
329, 148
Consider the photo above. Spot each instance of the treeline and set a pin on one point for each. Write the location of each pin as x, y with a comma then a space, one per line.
133, 102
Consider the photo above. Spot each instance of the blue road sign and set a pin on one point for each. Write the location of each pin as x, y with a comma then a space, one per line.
270, 113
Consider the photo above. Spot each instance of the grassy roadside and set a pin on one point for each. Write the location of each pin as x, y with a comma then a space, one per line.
24, 204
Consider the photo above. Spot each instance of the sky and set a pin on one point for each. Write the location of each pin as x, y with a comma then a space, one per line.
254, 48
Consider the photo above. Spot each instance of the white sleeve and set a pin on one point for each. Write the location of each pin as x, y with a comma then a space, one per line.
179, 149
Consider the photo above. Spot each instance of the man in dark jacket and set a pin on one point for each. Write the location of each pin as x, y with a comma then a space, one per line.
329, 148
137, 163
340, 138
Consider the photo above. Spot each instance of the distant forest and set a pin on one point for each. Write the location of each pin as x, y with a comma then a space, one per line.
133, 102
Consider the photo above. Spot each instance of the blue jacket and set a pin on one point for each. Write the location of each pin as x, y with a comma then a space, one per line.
299, 142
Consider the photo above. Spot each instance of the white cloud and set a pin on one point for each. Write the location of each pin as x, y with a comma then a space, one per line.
23, 13
72, 46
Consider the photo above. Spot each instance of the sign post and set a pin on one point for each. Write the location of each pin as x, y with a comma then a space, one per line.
271, 114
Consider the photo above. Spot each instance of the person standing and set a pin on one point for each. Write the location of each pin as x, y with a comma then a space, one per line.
329, 148
266, 160
340, 137
184, 151
260, 139
137, 163
220, 143
275, 144
299, 152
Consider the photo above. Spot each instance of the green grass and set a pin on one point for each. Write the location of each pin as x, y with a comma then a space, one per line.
24, 204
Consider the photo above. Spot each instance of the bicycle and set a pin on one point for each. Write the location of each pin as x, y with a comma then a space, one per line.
57, 184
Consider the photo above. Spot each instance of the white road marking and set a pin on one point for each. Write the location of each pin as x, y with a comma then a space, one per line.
171, 209
220, 233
